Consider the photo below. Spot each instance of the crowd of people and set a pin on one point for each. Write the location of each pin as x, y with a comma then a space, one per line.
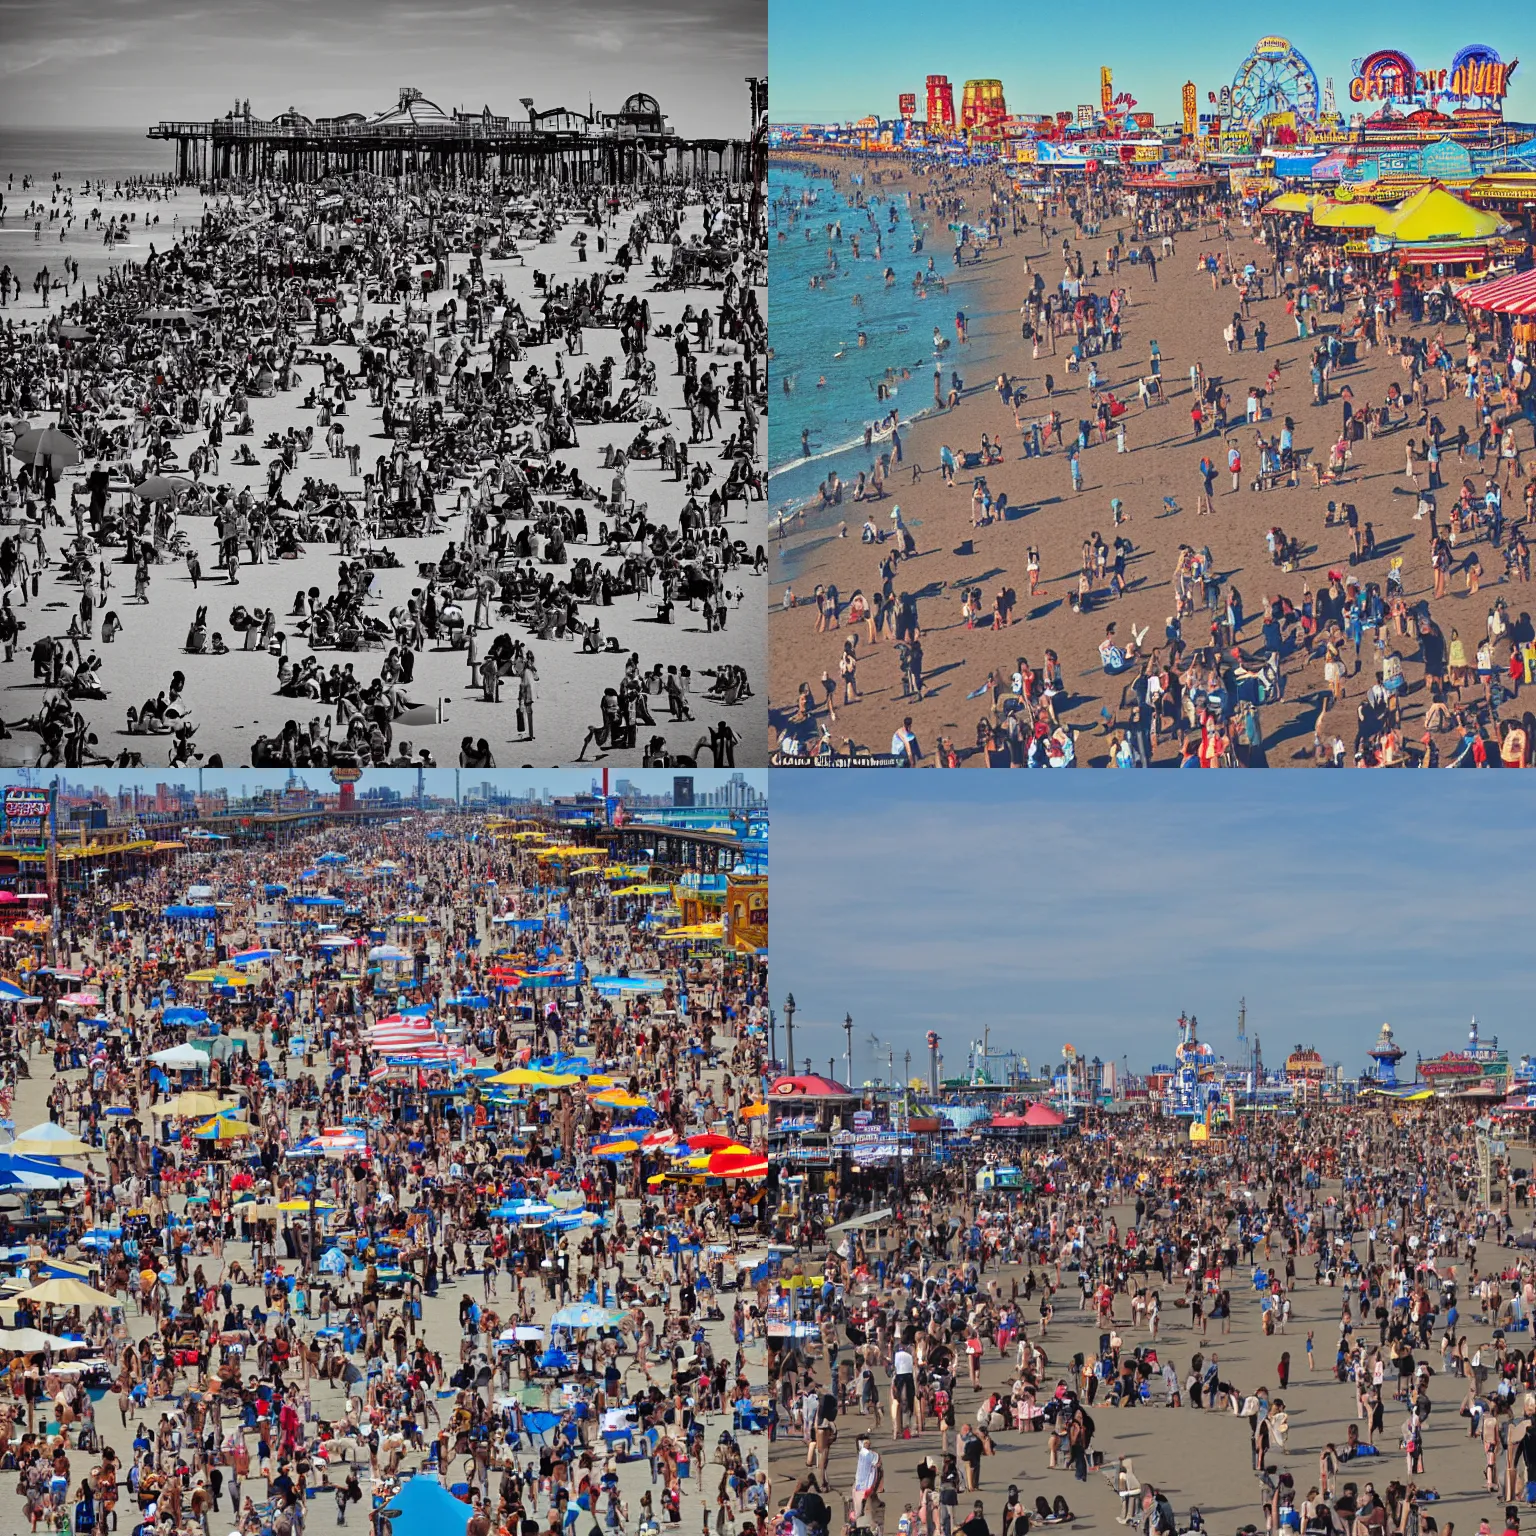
1336, 1295
349, 1248
522, 419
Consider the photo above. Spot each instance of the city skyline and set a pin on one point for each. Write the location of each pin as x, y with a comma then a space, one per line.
438, 783
1093, 913
1150, 59
69, 64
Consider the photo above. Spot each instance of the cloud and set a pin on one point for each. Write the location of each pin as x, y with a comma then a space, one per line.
21, 60
605, 40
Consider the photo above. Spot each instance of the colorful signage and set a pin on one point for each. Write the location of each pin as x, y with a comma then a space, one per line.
908, 103
1389, 75
1106, 88
1191, 107
26, 810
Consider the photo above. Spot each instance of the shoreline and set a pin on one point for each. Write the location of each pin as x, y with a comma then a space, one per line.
1156, 480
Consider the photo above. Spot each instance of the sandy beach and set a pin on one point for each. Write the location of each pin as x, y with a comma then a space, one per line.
1156, 481
231, 697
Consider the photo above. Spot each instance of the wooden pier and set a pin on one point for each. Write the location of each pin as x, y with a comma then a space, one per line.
417, 139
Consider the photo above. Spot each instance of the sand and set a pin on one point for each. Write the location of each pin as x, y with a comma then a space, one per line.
233, 698
1186, 317
1200, 1459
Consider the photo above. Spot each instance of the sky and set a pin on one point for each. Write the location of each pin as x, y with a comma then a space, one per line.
111, 63
1091, 909
839, 62
438, 781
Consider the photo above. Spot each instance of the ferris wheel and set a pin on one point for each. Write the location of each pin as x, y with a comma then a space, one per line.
1274, 78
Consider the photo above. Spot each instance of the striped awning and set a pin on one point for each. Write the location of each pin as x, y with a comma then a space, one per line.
1512, 295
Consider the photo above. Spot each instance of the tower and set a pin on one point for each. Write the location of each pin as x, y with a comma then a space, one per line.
1386, 1054
941, 104
933, 1062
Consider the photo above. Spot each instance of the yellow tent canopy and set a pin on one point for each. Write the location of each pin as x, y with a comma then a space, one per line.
1290, 202
1349, 215
1432, 213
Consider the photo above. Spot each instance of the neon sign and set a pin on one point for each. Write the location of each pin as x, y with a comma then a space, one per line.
1389, 75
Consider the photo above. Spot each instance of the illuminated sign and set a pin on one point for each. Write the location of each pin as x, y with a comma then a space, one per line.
1106, 88
1191, 105
1084, 112
908, 103
25, 808
1388, 75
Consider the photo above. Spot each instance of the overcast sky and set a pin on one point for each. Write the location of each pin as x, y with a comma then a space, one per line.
1092, 908
109, 63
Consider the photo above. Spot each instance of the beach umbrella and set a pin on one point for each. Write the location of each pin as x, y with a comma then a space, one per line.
50, 445
332, 858
388, 952
754, 1111
554, 1359
80, 1000
180, 1058
49, 1140
531, 1077
586, 1315
710, 1141
253, 957
161, 488
219, 1128
616, 1148
11, 993
620, 1098
184, 1015
303, 1205
738, 1163
194, 1104
67, 1293
30, 1341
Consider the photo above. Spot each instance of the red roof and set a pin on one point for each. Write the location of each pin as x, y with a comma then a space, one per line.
1043, 1115
1008, 1122
810, 1086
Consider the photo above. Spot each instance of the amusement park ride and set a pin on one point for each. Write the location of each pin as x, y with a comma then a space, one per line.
1275, 94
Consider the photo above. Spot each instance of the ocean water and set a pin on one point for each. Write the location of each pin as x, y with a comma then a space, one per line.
832, 380
81, 155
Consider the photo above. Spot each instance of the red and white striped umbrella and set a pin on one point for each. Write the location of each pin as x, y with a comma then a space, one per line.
1511, 295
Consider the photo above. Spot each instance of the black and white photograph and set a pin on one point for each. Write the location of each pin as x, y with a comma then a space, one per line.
382, 385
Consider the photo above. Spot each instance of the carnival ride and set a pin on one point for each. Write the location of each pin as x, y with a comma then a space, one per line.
1275, 78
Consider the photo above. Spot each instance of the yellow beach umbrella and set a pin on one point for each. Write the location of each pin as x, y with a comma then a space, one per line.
531, 1077
621, 1098
68, 1293
754, 1111
187, 1105
303, 1205
626, 1145
220, 1128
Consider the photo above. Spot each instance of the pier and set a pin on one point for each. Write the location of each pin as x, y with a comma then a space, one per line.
417, 138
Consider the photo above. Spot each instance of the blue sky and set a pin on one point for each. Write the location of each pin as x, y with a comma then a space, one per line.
438, 781
841, 61
1092, 908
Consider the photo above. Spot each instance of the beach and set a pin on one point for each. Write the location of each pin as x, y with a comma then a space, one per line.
576, 680
1156, 529
445, 1319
